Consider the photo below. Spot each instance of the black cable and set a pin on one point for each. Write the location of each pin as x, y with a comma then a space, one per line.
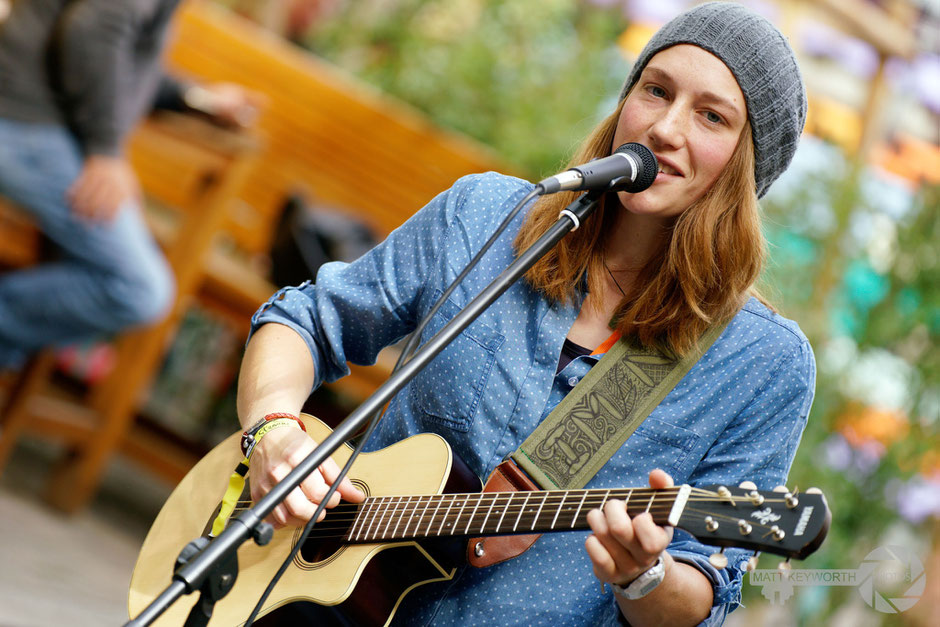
406, 353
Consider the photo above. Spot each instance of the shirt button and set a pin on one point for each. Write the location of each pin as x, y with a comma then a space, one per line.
573, 381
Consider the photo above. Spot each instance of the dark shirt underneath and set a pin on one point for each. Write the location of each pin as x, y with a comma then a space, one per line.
570, 351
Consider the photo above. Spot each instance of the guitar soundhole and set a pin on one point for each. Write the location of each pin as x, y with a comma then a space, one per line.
328, 536
316, 550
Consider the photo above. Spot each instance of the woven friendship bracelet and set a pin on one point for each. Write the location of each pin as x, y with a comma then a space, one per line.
277, 415
253, 434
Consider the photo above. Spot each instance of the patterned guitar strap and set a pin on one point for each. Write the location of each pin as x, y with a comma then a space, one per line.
586, 428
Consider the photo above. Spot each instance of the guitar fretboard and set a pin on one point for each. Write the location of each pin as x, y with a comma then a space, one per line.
387, 518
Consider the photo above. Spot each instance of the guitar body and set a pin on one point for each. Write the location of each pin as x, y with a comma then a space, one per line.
354, 583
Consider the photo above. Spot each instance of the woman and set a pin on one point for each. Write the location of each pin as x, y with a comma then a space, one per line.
717, 96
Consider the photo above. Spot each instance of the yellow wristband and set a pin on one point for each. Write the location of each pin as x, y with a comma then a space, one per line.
251, 438
236, 483
271, 425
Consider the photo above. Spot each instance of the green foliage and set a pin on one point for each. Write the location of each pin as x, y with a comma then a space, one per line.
528, 77
869, 299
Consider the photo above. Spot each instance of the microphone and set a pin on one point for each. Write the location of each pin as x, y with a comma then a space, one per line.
631, 168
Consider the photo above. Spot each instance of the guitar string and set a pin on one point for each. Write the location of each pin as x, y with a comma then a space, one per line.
392, 505
598, 491
325, 532
726, 517
405, 499
351, 514
332, 524
511, 505
342, 532
385, 518
430, 517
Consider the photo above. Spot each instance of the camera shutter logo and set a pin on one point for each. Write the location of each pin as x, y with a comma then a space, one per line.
885, 565
869, 576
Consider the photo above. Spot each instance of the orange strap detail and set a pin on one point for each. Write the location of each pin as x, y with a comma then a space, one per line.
606, 344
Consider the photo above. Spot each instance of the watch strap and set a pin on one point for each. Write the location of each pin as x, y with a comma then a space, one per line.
644, 584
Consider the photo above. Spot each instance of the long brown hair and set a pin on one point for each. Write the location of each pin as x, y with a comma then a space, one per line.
710, 255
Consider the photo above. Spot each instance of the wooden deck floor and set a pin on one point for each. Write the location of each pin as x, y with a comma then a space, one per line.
58, 570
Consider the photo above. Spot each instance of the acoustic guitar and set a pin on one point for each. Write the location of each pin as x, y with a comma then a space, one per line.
422, 504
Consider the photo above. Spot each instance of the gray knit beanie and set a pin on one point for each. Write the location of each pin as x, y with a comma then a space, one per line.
761, 61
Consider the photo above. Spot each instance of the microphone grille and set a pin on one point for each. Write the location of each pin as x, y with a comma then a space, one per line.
647, 171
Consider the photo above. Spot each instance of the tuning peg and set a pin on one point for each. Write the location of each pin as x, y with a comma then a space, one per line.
781, 488
785, 566
725, 493
752, 563
814, 491
718, 560
747, 485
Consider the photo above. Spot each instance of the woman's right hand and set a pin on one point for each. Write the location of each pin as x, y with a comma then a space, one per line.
279, 452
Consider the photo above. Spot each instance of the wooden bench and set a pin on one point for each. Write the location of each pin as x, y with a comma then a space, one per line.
320, 130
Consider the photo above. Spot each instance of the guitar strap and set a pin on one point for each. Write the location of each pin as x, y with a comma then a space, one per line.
585, 429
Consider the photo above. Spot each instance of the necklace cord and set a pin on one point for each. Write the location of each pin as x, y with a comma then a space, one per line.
613, 278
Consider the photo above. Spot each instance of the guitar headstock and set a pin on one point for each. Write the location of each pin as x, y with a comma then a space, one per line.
782, 522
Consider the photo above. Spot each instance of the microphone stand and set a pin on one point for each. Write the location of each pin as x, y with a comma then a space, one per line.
211, 567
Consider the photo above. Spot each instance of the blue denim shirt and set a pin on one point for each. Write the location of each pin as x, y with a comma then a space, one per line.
738, 415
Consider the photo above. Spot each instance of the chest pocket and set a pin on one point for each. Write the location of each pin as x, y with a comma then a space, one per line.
662, 444
448, 391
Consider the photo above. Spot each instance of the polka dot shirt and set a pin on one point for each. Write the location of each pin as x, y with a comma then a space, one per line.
738, 415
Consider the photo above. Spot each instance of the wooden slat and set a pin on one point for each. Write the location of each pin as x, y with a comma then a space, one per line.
351, 145
158, 454
19, 240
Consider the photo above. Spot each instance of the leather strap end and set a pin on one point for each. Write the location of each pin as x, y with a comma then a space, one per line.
486, 551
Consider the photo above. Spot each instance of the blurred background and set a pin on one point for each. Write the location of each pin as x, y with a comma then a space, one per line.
367, 108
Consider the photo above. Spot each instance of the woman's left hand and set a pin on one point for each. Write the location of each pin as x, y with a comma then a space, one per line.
621, 549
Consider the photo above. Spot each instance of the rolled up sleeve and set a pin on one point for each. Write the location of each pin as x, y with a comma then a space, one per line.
353, 310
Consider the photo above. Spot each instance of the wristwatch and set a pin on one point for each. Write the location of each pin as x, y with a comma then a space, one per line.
644, 584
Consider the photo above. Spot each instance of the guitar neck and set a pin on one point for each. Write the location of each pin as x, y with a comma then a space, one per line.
386, 518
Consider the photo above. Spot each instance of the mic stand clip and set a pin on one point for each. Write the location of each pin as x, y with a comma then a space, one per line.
221, 576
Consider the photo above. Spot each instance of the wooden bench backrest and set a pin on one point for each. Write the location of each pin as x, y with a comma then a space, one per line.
321, 130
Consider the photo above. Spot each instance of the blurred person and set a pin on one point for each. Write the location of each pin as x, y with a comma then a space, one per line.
224, 104
75, 77
717, 96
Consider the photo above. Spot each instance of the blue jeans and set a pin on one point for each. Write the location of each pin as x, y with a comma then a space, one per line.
107, 277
